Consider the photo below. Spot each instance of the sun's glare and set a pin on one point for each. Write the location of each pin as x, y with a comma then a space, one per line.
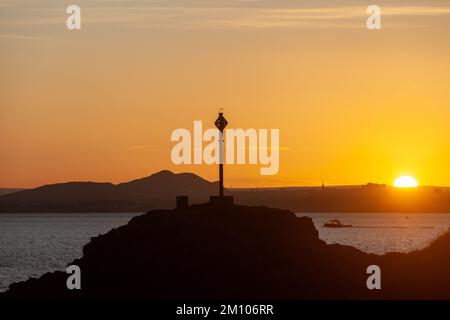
405, 182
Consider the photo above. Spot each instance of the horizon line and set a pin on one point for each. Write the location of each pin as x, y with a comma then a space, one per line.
215, 181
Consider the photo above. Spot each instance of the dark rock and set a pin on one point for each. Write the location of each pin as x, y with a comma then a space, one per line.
208, 252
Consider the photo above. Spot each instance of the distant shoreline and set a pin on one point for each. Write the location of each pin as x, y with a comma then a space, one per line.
160, 190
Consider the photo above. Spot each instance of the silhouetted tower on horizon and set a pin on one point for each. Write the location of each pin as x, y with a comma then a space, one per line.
221, 123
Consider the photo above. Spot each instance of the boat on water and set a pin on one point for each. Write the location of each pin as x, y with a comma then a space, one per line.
335, 223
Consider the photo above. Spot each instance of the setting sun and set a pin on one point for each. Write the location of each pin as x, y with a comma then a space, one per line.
405, 182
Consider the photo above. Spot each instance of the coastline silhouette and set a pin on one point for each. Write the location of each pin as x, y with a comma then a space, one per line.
210, 251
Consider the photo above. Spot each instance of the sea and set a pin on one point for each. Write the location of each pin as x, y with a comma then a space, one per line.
33, 244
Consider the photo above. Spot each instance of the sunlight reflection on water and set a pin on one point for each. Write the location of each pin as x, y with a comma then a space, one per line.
380, 233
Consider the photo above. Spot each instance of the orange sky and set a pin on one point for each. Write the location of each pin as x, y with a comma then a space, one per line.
99, 104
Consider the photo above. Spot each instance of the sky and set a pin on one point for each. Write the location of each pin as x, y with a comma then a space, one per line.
99, 104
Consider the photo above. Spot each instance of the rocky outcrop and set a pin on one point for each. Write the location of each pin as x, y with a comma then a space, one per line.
239, 252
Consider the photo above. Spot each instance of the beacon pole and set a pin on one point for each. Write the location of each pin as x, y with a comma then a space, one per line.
221, 123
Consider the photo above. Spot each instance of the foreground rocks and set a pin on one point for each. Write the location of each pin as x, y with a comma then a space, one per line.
210, 252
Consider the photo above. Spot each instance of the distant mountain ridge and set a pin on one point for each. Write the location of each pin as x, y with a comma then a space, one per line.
156, 190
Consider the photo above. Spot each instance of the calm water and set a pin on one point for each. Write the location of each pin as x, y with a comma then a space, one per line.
33, 244
382, 232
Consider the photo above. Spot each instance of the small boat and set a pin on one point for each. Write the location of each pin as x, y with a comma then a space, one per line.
334, 223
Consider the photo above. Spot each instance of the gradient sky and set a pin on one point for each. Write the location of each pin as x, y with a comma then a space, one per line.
352, 105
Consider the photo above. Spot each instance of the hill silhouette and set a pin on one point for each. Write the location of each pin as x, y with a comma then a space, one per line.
156, 190
239, 252
159, 190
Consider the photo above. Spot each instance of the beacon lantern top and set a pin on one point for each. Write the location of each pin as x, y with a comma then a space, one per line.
221, 122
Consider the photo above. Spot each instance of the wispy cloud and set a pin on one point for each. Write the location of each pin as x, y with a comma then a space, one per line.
156, 15
226, 17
